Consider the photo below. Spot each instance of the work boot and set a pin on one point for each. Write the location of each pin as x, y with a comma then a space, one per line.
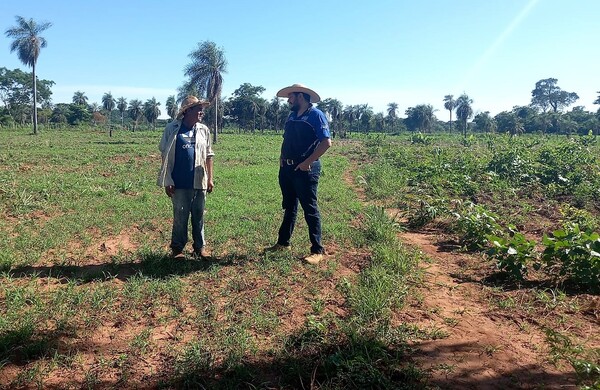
279, 248
203, 253
314, 258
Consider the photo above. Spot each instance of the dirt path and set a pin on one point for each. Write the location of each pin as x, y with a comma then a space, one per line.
466, 343
475, 347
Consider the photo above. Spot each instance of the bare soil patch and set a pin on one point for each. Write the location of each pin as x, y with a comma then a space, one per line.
471, 342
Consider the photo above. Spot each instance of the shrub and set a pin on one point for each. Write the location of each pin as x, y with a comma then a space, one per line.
474, 223
575, 255
513, 254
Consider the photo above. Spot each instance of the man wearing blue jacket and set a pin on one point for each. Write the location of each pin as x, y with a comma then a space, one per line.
306, 138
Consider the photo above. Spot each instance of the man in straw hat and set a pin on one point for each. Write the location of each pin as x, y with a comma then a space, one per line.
187, 174
306, 138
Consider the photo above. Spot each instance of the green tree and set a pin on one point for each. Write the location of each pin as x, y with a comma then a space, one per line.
548, 95
94, 107
244, 105
205, 72
585, 120
78, 114
420, 118
484, 123
333, 110
16, 93
350, 114
152, 111
509, 122
274, 113
529, 117
80, 98
392, 114
450, 105
365, 115
28, 43
392, 110
171, 106
109, 103
136, 111
379, 122
122, 107
60, 113
464, 111
336, 110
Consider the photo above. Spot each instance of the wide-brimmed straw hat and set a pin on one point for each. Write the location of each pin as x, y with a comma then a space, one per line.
284, 92
190, 102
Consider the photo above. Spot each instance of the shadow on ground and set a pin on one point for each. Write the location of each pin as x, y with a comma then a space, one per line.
152, 265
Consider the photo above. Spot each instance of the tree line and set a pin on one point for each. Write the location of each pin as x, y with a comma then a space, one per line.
22, 95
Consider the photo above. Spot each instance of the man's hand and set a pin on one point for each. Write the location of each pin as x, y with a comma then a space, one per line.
170, 191
303, 166
209, 186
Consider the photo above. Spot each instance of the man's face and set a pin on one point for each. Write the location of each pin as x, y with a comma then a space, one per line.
195, 113
293, 101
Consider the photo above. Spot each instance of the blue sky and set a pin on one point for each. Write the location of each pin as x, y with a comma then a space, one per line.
375, 52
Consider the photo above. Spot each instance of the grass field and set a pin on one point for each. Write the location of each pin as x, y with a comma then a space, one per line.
90, 298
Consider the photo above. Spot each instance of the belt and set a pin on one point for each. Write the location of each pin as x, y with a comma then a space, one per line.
287, 161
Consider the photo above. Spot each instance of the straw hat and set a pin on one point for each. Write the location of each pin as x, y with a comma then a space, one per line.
284, 92
189, 102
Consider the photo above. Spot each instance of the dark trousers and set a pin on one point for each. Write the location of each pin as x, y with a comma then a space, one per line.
297, 185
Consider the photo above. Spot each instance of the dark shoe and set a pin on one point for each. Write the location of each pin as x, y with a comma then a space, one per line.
203, 254
279, 248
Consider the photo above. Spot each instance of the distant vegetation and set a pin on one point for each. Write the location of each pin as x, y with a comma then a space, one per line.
247, 110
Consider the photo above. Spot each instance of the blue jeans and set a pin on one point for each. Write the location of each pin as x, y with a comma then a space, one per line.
186, 202
300, 186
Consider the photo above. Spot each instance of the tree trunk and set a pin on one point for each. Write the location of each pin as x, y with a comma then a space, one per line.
216, 119
35, 124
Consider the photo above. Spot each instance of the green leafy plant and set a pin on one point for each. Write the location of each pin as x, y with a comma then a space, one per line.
512, 254
420, 138
467, 141
474, 223
425, 212
575, 255
584, 361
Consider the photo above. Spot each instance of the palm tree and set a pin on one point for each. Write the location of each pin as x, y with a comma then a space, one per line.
135, 111
122, 107
80, 98
108, 102
350, 115
450, 104
391, 110
206, 73
28, 43
392, 114
336, 114
273, 113
464, 110
151, 111
171, 106
425, 117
